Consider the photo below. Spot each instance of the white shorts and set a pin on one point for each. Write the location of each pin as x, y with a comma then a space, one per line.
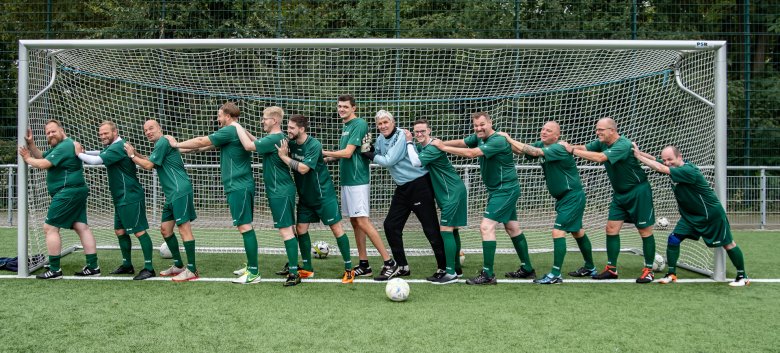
354, 201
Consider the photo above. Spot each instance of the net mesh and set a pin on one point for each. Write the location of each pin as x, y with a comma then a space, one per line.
521, 89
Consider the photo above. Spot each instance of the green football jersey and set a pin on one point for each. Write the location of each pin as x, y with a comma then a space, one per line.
173, 177
696, 200
315, 186
448, 187
122, 175
560, 170
235, 163
353, 170
276, 174
497, 165
66, 170
622, 167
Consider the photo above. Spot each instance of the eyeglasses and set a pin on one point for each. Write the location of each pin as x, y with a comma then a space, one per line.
420, 132
605, 129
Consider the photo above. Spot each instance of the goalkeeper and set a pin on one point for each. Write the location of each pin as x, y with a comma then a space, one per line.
128, 197
179, 208
632, 199
564, 184
68, 191
701, 213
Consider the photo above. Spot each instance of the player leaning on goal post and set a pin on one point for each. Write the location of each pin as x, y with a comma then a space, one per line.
564, 184
317, 200
450, 193
279, 188
179, 207
701, 213
236, 172
632, 197
413, 193
127, 195
355, 190
497, 166
68, 190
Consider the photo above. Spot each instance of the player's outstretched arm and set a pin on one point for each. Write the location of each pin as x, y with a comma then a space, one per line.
191, 144
138, 159
284, 154
458, 151
580, 151
345, 153
89, 157
39, 163
649, 161
521, 148
247, 140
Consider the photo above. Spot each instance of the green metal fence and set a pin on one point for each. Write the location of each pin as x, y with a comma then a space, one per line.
752, 29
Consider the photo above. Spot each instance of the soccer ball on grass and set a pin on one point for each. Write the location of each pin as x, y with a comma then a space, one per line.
165, 252
659, 263
320, 249
397, 290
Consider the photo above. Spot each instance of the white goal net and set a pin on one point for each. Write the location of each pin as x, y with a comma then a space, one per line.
521, 87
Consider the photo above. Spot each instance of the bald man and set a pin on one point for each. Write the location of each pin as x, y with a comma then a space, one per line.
632, 197
701, 213
564, 184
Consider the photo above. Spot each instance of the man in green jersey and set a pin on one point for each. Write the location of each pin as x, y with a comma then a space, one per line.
497, 167
701, 213
237, 178
317, 200
355, 191
632, 197
127, 195
450, 194
179, 208
279, 187
564, 184
68, 191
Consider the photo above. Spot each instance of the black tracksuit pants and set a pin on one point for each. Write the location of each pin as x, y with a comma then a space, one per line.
415, 196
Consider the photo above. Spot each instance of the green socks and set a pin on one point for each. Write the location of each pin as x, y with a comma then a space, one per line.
173, 245
449, 251
521, 247
54, 263
613, 249
250, 246
125, 246
291, 248
586, 249
304, 241
559, 252
189, 247
488, 256
648, 249
735, 255
672, 255
91, 261
146, 248
343, 243
456, 235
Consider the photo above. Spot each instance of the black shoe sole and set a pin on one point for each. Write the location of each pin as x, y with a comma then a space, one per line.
124, 271
144, 276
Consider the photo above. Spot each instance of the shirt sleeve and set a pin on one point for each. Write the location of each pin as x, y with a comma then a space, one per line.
90, 159
357, 134
594, 146
685, 174
161, 149
57, 154
429, 154
537, 144
312, 156
267, 144
494, 146
554, 152
471, 141
112, 155
619, 151
411, 151
395, 153
223, 136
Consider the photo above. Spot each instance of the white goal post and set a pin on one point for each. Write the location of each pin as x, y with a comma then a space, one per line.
659, 92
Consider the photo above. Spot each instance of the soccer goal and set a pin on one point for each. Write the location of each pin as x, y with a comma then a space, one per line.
659, 92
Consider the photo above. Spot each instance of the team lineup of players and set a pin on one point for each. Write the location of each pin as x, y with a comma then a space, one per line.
424, 178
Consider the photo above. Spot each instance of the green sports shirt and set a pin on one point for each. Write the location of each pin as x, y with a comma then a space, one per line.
353, 170
235, 163
66, 170
560, 170
122, 174
276, 174
497, 165
316, 186
622, 167
447, 185
696, 200
173, 177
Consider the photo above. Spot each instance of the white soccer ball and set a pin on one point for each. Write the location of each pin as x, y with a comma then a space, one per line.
320, 249
165, 252
462, 257
397, 290
659, 263
662, 222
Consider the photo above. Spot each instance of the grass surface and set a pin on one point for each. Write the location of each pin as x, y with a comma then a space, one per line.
156, 316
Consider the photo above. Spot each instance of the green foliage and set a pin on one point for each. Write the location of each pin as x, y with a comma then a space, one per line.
7, 152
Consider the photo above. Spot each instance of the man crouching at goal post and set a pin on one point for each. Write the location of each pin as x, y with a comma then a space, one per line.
564, 184
236, 172
179, 208
497, 166
701, 213
128, 197
68, 191
317, 200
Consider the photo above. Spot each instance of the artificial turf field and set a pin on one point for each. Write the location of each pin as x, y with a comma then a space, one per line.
212, 315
